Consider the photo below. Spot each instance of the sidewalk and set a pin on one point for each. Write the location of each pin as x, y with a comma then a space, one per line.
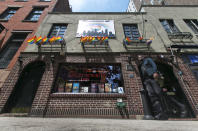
79, 124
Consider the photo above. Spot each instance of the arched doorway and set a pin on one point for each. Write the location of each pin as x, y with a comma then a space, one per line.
173, 85
22, 96
174, 98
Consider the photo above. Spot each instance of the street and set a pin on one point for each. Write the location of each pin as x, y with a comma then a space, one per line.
80, 124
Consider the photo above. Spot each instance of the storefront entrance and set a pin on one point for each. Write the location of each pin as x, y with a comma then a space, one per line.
174, 101
22, 96
175, 93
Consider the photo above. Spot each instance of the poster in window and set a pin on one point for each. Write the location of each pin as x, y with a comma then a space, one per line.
61, 87
76, 87
86, 89
115, 87
101, 88
120, 90
94, 88
96, 28
68, 87
107, 88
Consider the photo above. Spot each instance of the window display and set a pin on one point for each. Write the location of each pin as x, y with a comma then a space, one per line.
88, 78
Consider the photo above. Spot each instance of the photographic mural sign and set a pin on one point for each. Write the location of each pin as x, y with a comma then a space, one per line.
96, 28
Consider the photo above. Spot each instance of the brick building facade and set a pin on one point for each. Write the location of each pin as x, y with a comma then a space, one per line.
20, 17
64, 62
134, 5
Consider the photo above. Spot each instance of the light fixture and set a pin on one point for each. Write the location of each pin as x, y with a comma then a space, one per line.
52, 57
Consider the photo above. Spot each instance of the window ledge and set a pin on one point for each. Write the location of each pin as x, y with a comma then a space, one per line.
29, 21
85, 95
44, 1
20, 1
2, 20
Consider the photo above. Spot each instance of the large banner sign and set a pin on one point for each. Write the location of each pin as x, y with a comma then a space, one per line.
96, 28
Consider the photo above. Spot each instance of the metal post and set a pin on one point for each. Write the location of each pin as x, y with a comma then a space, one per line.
147, 110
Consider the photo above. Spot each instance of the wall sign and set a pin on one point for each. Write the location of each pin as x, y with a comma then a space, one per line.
96, 28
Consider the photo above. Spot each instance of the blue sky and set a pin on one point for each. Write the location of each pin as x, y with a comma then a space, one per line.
99, 5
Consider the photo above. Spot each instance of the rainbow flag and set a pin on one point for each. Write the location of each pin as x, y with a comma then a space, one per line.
140, 38
51, 40
38, 40
127, 40
99, 38
106, 38
32, 40
90, 39
44, 40
148, 42
93, 39
59, 38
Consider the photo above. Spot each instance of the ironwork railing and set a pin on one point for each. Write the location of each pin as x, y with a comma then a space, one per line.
180, 35
56, 46
136, 45
95, 45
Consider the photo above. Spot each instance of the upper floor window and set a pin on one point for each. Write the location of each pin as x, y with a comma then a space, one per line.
21, 0
35, 14
1, 28
8, 13
131, 31
169, 26
45, 0
193, 24
58, 30
9, 50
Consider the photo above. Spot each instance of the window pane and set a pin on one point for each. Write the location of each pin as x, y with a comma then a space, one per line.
57, 30
35, 14
131, 31
8, 13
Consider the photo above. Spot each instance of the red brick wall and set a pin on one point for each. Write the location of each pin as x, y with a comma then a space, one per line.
15, 23
90, 105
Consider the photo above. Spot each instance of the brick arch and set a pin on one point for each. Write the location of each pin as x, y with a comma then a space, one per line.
24, 77
188, 91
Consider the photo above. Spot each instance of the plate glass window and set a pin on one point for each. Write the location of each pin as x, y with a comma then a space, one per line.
88, 78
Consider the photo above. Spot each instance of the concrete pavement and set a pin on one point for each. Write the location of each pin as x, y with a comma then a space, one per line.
80, 124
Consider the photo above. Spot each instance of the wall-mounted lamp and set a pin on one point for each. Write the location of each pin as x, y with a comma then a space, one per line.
129, 67
52, 58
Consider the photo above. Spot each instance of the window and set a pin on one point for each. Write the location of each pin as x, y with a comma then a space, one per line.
21, 0
89, 78
10, 49
192, 62
169, 26
131, 31
35, 14
8, 13
193, 24
1, 28
58, 30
